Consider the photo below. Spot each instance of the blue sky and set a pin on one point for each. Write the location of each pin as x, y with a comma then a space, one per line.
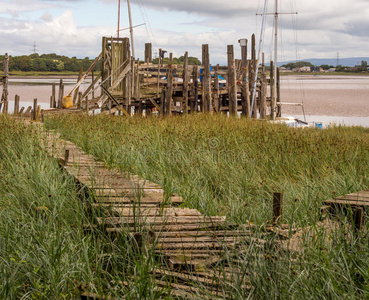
75, 28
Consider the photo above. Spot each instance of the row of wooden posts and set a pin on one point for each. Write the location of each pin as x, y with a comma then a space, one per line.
205, 96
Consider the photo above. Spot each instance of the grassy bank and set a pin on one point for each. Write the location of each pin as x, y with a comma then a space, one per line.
231, 167
220, 166
227, 166
44, 251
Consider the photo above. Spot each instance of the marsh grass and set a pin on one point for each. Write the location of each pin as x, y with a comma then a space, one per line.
45, 253
227, 166
221, 166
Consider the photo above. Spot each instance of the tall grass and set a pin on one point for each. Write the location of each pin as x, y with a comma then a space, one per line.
45, 252
227, 166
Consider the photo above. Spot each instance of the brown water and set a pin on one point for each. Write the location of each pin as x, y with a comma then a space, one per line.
338, 96
337, 99
31, 88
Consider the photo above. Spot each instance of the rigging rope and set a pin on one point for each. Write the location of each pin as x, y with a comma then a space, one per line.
258, 59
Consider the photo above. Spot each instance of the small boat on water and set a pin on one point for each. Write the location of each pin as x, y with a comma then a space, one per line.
291, 121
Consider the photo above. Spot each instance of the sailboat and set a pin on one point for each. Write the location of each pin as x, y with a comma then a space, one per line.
289, 121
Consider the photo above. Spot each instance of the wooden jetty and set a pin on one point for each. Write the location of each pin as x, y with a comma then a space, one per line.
134, 87
188, 245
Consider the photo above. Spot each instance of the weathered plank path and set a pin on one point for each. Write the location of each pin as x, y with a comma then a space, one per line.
188, 244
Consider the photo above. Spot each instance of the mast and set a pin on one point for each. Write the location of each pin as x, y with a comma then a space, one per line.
274, 100
118, 18
131, 27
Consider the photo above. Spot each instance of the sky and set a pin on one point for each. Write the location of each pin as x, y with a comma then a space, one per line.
321, 29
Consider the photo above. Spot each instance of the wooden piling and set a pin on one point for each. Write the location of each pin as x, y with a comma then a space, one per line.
263, 91
163, 98
77, 89
232, 85
5, 79
279, 108
79, 101
277, 207
6, 107
358, 218
185, 84
16, 105
61, 94
148, 53
86, 105
159, 68
53, 96
34, 111
169, 99
206, 80
66, 157
195, 89
272, 96
216, 102
245, 90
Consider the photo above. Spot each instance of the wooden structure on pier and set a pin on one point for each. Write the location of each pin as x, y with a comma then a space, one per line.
4, 83
136, 87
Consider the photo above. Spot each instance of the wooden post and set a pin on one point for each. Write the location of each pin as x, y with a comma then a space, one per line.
263, 90
232, 87
16, 105
169, 99
53, 96
5, 94
86, 102
272, 105
66, 157
163, 98
206, 80
34, 112
6, 108
159, 67
148, 53
93, 88
195, 89
61, 94
358, 218
277, 207
79, 102
245, 90
77, 90
279, 107
216, 102
185, 84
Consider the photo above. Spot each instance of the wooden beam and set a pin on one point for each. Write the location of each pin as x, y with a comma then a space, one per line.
169, 99
232, 88
185, 84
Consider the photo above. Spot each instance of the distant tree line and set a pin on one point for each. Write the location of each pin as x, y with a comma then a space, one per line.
48, 63
363, 67
59, 63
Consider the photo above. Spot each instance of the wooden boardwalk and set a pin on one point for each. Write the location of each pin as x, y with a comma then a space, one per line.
188, 244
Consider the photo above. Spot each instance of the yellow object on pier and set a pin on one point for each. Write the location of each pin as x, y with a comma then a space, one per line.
67, 101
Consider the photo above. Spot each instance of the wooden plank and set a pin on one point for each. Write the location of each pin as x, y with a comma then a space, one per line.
347, 202
167, 228
171, 211
166, 220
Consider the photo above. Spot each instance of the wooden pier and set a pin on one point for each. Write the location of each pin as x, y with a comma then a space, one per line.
134, 87
189, 246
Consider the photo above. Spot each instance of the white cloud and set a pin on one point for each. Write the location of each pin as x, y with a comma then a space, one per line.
324, 27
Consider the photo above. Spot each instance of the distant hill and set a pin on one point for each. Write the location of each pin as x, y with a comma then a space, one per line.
349, 62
